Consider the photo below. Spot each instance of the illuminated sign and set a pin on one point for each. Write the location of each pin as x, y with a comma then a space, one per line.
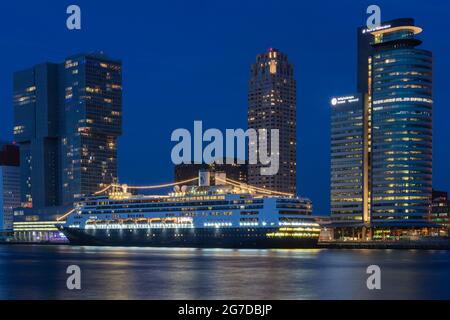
343, 100
376, 29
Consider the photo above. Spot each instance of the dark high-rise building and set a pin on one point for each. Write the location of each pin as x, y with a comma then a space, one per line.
395, 79
9, 184
36, 130
67, 121
92, 118
272, 105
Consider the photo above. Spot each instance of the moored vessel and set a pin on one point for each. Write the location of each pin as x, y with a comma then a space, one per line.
228, 215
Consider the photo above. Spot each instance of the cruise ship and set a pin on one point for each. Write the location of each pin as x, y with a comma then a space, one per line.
225, 215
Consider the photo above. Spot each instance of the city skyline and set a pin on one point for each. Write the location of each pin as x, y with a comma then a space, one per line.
216, 157
313, 145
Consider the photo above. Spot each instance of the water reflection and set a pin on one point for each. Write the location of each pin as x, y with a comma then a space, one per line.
39, 272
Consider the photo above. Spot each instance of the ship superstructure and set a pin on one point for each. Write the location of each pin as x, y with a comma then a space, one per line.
230, 215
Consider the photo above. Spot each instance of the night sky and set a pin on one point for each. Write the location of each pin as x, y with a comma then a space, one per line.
190, 60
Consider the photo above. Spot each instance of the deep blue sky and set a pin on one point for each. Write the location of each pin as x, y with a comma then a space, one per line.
189, 60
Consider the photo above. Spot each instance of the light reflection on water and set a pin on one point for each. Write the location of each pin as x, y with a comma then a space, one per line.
39, 272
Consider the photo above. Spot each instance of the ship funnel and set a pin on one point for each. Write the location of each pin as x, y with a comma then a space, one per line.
204, 178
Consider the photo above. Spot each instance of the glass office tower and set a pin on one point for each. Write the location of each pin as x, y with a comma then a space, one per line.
395, 79
349, 176
401, 96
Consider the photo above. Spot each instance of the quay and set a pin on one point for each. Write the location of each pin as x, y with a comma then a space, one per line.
441, 244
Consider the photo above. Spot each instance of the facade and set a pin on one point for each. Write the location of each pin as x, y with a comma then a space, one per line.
67, 120
237, 172
33, 225
395, 79
36, 130
440, 210
93, 122
272, 105
348, 162
402, 101
9, 185
365, 50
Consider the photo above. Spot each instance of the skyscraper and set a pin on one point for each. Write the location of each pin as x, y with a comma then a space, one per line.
272, 105
401, 103
67, 121
36, 130
9, 184
349, 176
395, 79
92, 116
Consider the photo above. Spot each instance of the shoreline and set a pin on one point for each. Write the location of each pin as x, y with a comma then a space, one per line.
340, 245
398, 245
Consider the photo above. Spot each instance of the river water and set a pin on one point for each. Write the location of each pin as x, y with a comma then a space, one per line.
39, 272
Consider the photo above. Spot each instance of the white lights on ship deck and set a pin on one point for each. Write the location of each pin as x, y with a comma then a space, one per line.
249, 224
303, 224
140, 226
218, 224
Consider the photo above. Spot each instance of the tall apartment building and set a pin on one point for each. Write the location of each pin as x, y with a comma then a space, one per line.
67, 120
272, 105
395, 79
9, 184
92, 116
